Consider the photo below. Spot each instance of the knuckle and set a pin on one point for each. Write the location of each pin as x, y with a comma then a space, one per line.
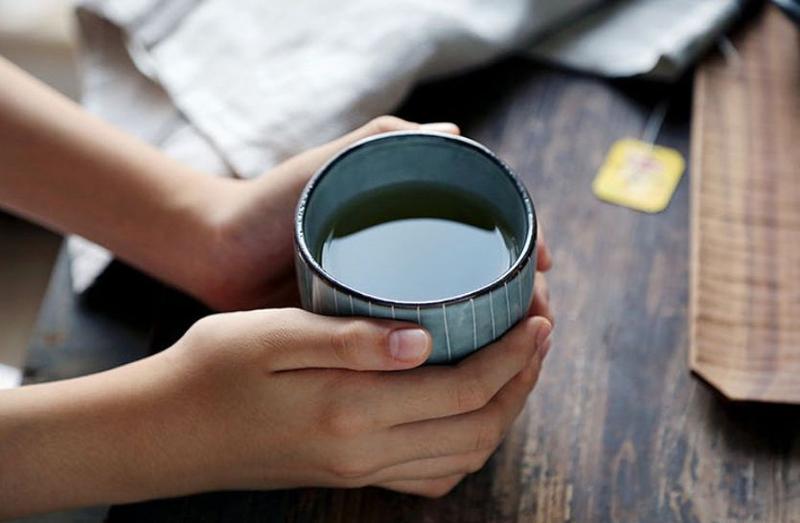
353, 482
206, 335
476, 462
347, 340
344, 340
440, 488
344, 421
471, 394
352, 471
488, 436
385, 123
205, 326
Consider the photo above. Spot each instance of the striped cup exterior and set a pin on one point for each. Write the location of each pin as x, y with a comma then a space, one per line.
457, 328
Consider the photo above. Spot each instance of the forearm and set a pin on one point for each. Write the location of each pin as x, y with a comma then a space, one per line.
72, 172
114, 437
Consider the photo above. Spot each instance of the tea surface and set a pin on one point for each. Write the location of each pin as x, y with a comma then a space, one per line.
416, 242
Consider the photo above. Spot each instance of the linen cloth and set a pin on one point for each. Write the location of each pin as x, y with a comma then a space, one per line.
233, 87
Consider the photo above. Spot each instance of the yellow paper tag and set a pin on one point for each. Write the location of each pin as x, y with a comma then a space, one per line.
639, 175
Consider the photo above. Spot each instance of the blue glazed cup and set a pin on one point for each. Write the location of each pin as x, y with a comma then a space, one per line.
459, 325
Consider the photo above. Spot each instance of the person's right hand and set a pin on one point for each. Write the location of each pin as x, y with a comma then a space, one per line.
284, 398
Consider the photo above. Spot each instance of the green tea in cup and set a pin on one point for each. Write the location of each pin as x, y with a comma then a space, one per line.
416, 241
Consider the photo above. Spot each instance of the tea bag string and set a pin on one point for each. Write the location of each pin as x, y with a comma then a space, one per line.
655, 122
656, 119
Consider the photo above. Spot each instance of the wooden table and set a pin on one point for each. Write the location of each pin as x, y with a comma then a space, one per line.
617, 429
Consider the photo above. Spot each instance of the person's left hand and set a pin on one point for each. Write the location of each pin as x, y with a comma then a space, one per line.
250, 257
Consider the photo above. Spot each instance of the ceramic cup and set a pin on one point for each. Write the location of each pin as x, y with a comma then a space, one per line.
459, 325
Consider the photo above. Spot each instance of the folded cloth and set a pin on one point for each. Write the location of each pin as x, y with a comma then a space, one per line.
235, 86
659, 39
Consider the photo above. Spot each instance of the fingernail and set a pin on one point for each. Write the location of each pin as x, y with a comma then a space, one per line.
408, 344
442, 127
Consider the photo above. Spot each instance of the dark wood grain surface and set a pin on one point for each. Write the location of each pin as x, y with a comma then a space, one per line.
617, 429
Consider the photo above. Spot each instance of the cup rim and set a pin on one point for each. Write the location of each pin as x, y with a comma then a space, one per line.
520, 261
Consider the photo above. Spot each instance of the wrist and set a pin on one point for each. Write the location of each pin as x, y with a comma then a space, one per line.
224, 239
164, 440
191, 258
115, 437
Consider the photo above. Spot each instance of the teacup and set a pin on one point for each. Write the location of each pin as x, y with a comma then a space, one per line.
461, 324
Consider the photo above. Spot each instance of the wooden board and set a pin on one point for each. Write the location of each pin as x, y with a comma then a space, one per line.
745, 215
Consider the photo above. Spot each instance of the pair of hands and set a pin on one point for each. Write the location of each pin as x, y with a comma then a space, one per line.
268, 398
297, 399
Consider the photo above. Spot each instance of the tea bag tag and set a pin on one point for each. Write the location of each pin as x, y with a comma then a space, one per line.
638, 174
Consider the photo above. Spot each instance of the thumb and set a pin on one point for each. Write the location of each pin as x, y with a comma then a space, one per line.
314, 341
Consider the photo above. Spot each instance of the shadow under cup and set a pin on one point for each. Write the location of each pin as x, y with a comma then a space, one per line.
461, 324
